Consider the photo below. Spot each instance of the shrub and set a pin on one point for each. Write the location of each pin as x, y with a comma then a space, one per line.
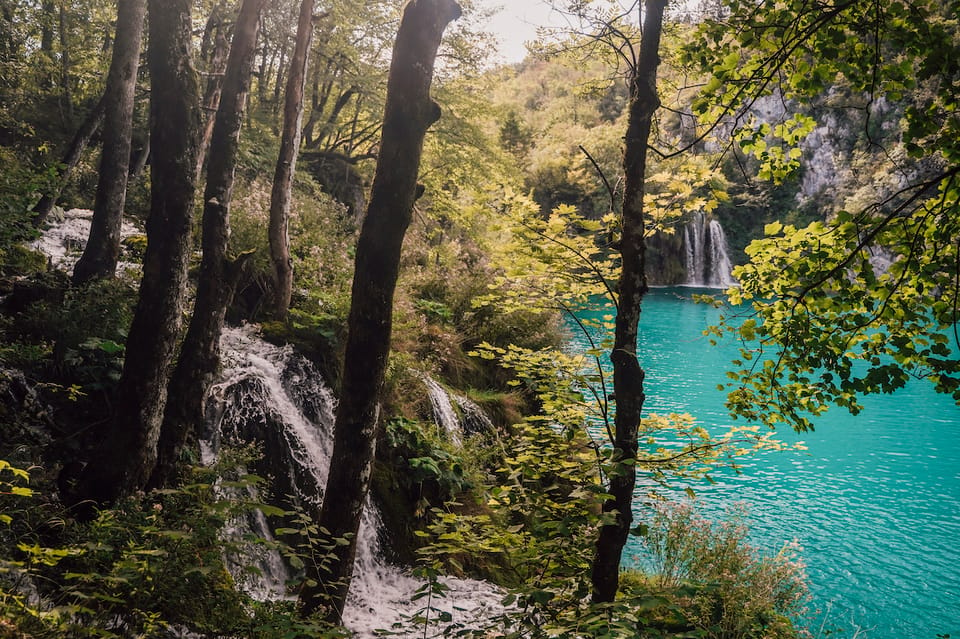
727, 589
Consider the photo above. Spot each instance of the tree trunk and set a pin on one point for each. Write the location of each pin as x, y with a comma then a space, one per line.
66, 94
127, 455
100, 255
278, 85
287, 162
627, 373
200, 353
77, 146
48, 8
215, 76
408, 114
142, 157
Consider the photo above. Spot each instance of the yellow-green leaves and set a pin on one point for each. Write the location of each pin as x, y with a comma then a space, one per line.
12, 482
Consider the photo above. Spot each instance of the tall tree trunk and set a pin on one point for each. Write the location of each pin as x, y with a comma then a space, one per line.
140, 163
211, 98
47, 10
100, 255
278, 85
70, 159
127, 455
287, 163
66, 93
409, 112
627, 373
200, 353
48, 19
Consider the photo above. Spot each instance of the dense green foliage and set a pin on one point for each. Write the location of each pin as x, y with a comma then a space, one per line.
517, 228
867, 298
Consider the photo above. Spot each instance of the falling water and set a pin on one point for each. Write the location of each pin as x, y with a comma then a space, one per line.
473, 420
63, 242
467, 418
706, 259
444, 414
271, 395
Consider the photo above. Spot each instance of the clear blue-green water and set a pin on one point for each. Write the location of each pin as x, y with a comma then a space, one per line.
874, 501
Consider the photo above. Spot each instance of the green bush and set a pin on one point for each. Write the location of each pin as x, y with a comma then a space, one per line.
20, 186
148, 564
725, 587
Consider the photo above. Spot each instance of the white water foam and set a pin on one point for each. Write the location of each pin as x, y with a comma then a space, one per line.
444, 414
707, 259
64, 240
272, 386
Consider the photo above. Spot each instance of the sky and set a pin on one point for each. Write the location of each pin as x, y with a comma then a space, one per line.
517, 23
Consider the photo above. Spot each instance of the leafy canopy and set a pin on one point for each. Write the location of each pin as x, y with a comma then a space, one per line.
868, 299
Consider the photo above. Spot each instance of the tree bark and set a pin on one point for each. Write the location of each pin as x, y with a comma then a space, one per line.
100, 255
142, 157
127, 455
216, 69
200, 353
70, 159
627, 374
409, 112
287, 163
66, 94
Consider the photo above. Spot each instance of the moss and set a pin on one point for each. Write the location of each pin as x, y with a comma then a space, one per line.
135, 246
19, 260
320, 338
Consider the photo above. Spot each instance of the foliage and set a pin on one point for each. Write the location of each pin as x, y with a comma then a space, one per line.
424, 465
87, 325
838, 333
726, 589
830, 321
138, 568
544, 510
321, 245
20, 184
145, 567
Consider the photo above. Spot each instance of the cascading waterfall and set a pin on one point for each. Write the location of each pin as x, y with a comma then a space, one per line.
271, 395
473, 421
467, 418
706, 259
63, 242
444, 414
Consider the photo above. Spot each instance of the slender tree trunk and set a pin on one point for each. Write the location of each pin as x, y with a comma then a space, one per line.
66, 93
200, 353
70, 159
48, 9
287, 162
278, 85
216, 68
143, 156
100, 255
48, 18
127, 454
409, 112
627, 373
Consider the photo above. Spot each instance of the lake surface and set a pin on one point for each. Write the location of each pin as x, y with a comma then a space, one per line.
874, 501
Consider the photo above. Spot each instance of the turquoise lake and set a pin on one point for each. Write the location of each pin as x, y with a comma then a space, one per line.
874, 501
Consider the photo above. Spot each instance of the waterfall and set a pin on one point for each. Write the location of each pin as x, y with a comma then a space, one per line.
63, 242
705, 251
473, 421
444, 414
466, 418
271, 395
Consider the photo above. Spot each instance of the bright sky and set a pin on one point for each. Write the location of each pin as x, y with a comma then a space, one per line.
517, 23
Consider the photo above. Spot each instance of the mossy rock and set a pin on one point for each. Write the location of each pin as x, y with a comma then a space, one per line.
21, 260
319, 338
135, 246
